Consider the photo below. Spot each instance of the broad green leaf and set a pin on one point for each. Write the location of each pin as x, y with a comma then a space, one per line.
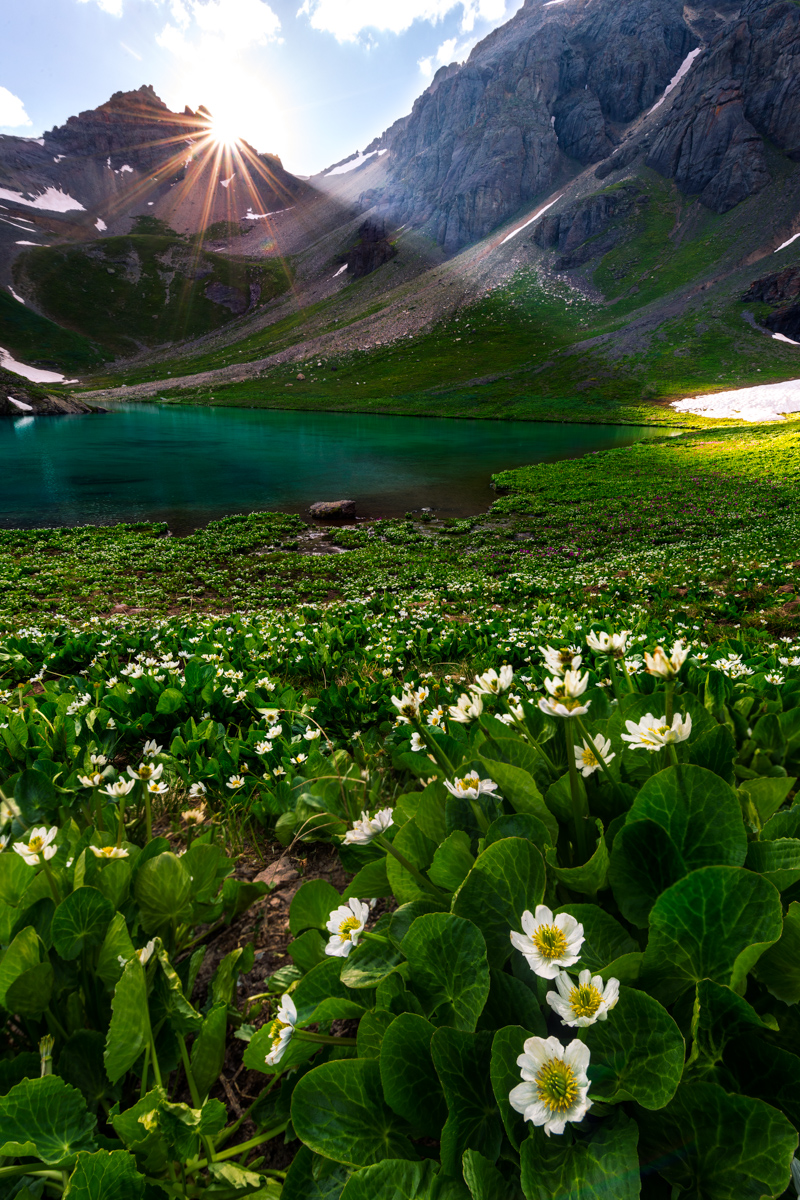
448, 970
311, 1177
716, 751
519, 825
30, 993
463, 1063
779, 967
768, 1072
167, 999
590, 877
163, 890
767, 795
713, 924
105, 1173
699, 811
338, 1110
430, 814
394, 996
81, 1064
516, 783
777, 860
484, 1180
113, 879
208, 1050
637, 1052
223, 983
81, 921
371, 1031
183, 1126
37, 797
308, 950
710, 1143
507, 1046
312, 905
405, 916
116, 944
392, 1179
296, 1054
322, 987
411, 842
410, 1083
371, 882
644, 863
139, 1130
604, 938
785, 824
129, 1031
26, 952
170, 700
604, 1166
13, 1070
45, 1119
239, 894
719, 1016
202, 860
240, 1179
452, 861
15, 876
369, 963
507, 879
510, 1001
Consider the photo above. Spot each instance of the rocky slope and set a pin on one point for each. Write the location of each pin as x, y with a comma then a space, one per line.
21, 398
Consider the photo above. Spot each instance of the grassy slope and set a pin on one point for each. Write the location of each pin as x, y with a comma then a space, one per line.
33, 339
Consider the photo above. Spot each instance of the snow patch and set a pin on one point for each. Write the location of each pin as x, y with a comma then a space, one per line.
35, 374
683, 69
52, 199
59, 157
536, 216
14, 294
100, 224
354, 162
339, 272
227, 182
125, 168
251, 216
766, 402
783, 245
27, 243
781, 337
21, 404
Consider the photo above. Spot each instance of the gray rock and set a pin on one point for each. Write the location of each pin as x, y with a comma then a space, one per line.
21, 398
782, 287
785, 321
371, 251
325, 509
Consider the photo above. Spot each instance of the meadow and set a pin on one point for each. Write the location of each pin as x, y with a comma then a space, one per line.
530, 776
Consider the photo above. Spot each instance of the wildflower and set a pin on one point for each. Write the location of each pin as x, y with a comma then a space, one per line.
275, 732
492, 684
470, 786
368, 827
194, 816
299, 759
666, 668
408, 705
652, 733
146, 771
281, 1030
585, 758
468, 708
613, 644
583, 1003
278, 771
563, 699
9, 811
555, 1084
417, 743
39, 843
108, 852
157, 787
98, 760
436, 717
345, 925
121, 788
263, 747
90, 781
560, 661
311, 735
144, 954
235, 782
548, 943
775, 678
197, 789
270, 715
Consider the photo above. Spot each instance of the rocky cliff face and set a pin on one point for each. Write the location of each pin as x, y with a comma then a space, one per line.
20, 398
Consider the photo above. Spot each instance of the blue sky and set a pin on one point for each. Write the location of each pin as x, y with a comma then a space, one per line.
310, 80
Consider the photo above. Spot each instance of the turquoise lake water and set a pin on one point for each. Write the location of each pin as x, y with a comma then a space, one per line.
189, 465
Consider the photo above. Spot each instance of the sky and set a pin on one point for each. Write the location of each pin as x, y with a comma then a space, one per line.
309, 80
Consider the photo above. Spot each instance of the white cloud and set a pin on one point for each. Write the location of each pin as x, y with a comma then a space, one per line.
448, 52
12, 110
217, 24
348, 19
112, 7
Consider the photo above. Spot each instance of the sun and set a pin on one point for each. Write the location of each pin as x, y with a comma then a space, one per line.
223, 131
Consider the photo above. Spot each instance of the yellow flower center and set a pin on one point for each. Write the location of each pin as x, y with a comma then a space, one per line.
585, 1000
35, 845
145, 772
588, 759
107, 852
276, 1029
558, 1087
348, 927
550, 941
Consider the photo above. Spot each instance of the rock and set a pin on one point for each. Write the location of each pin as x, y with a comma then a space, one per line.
21, 398
325, 509
570, 230
372, 250
277, 874
780, 288
785, 321
300, 375
229, 297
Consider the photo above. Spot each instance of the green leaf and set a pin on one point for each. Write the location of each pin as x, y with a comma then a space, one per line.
81, 1064
369, 963
605, 1166
719, 1146
393, 1179
81, 921
411, 842
779, 967
139, 1130
312, 905
484, 1180
208, 1050
371, 1030
45, 1119
463, 1062
785, 824
518, 825
452, 861
311, 1177
719, 1016
371, 882
448, 970
321, 988
15, 876
405, 916
170, 701
510, 1001
507, 1046
777, 860
308, 950
26, 952
129, 1031
637, 1052
716, 752
713, 924
516, 781
430, 814
767, 1072
36, 796
239, 894
13, 1070
338, 1110
30, 992
116, 944
105, 1173
167, 999
507, 879
589, 878
644, 863
604, 938
767, 794
163, 890
223, 983
410, 1083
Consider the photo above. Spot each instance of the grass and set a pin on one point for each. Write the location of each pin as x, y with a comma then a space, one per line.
33, 339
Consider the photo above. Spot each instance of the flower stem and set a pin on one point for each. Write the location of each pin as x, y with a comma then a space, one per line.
52, 882
438, 753
579, 813
603, 764
324, 1039
242, 1147
193, 1092
148, 816
669, 703
421, 879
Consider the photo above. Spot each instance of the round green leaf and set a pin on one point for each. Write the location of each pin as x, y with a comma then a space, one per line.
312, 905
463, 1062
507, 879
410, 1083
163, 892
81, 921
637, 1052
311, 1177
507, 1046
779, 967
699, 811
448, 971
644, 863
602, 1167
393, 1178
338, 1110
45, 1119
777, 860
604, 938
590, 877
105, 1173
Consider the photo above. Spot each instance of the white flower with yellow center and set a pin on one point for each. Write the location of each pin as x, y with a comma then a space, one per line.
408, 705
549, 943
613, 644
492, 684
563, 699
470, 786
582, 1003
121, 788
666, 667
91, 781
235, 782
368, 827
345, 925
468, 708
281, 1030
560, 661
417, 743
147, 771
197, 789
555, 1084
275, 732
311, 735
38, 843
653, 733
436, 717
108, 852
263, 747
299, 759
157, 787
98, 760
587, 761
9, 811
278, 772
